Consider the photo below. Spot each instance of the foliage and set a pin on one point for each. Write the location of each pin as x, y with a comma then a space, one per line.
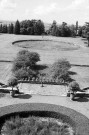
59, 70
11, 28
1, 28
85, 30
23, 31
74, 86
26, 23
4, 29
39, 28
12, 81
23, 65
35, 126
62, 30
17, 27
24, 73
21, 73
80, 31
25, 59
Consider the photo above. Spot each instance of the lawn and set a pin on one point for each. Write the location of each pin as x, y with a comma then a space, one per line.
5, 71
50, 49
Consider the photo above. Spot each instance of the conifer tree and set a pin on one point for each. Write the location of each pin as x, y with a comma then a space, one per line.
11, 28
4, 29
1, 28
17, 28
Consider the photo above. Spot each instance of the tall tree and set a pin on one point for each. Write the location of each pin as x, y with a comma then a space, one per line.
4, 29
88, 38
11, 28
17, 28
39, 28
54, 29
1, 28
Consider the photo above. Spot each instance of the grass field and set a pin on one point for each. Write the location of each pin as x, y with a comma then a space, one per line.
73, 49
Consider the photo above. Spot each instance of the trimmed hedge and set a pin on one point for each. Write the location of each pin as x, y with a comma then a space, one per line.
29, 40
77, 121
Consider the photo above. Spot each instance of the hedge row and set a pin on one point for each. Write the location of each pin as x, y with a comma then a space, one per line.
79, 122
29, 40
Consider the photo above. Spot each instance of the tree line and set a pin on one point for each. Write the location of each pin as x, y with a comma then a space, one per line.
25, 66
26, 27
37, 27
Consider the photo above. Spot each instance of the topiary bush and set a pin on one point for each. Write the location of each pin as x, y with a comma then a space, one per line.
74, 86
12, 82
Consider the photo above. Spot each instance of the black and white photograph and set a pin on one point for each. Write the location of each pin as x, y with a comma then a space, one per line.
44, 67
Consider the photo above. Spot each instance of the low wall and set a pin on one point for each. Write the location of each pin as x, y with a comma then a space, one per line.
79, 122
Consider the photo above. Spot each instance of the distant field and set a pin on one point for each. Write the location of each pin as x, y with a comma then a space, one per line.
73, 49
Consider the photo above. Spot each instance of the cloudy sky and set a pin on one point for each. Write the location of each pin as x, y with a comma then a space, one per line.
47, 10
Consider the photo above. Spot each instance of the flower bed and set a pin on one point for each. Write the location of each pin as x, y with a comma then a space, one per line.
78, 122
35, 125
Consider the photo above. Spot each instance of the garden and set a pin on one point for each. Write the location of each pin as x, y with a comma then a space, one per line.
42, 119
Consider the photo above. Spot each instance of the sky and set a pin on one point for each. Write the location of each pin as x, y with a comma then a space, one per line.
68, 11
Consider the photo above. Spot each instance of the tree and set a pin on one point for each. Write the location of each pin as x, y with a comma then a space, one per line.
24, 73
39, 28
21, 74
26, 23
4, 29
73, 30
30, 30
88, 38
27, 58
59, 70
17, 28
12, 82
24, 64
54, 29
1, 28
11, 28
65, 30
23, 31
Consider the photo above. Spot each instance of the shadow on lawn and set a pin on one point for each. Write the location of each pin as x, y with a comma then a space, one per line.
72, 73
23, 96
85, 99
40, 67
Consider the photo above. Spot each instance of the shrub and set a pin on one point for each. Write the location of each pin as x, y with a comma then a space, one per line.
12, 81
21, 73
35, 126
74, 86
24, 73
59, 70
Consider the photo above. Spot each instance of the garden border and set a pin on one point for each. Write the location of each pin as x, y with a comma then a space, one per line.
17, 41
79, 122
